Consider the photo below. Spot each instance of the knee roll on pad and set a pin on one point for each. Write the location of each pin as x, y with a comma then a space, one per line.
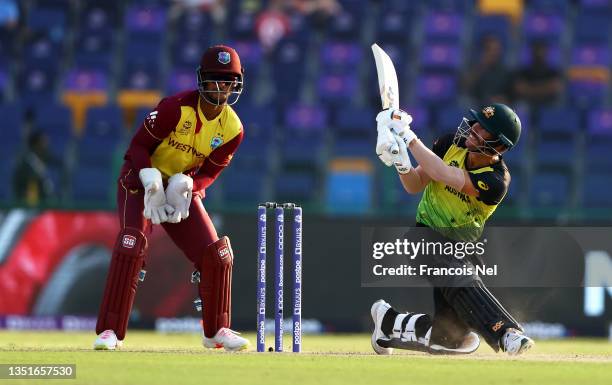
216, 286
121, 282
481, 311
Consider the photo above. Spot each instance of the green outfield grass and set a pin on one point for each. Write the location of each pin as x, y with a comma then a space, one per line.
152, 359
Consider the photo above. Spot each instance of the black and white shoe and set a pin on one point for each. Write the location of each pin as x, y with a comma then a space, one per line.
514, 342
378, 310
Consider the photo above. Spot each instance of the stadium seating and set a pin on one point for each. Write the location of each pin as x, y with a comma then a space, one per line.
549, 190
443, 27
543, 26
289, 54
55, 121
436, 89
347, 24
497, 25
594, 193
313, 96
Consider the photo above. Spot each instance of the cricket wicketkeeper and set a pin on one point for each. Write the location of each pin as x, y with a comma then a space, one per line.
463, 179
176, 154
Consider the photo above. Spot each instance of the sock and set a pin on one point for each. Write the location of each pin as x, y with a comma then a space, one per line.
388, 321
422, 325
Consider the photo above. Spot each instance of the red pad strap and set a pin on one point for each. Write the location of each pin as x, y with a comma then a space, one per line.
121, 281
216, 286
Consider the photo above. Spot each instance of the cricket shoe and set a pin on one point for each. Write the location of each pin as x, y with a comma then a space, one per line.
107, 340
514, 342
378, 310
227, 339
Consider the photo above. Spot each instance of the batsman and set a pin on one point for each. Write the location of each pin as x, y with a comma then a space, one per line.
177, 153
463, 179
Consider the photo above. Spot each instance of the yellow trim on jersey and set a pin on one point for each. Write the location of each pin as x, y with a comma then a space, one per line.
481, 170
184, 149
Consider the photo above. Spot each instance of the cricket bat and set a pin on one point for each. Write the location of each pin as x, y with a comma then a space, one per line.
387, 82
387, 78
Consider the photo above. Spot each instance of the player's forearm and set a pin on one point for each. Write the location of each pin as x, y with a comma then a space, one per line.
412, 182
206, 175
435, 167
203, 181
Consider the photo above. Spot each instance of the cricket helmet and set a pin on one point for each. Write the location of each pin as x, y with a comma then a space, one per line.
220, 64
499, 120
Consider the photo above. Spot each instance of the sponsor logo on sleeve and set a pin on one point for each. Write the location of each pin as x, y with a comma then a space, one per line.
483, 185
151, 119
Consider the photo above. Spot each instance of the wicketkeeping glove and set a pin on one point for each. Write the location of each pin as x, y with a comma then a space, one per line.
178, 195
155, 207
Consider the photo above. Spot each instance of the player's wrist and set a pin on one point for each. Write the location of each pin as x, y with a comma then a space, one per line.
149, 176
403, 169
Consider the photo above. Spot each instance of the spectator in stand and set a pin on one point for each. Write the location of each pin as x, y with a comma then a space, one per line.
216, 8
32, 184
320, 11
272, 24
488, 79
538, 83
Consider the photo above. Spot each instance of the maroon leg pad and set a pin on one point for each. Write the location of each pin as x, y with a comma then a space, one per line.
121, 281
216, 286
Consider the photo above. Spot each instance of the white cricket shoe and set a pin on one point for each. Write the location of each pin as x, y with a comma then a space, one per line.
515, 342
107, 340
378, 310
228, 339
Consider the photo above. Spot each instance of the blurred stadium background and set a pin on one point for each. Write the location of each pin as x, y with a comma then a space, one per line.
77, 77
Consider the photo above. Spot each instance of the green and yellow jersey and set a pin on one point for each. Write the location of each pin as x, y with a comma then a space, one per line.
452, 213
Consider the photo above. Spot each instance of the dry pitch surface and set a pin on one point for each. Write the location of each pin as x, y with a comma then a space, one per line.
149, 358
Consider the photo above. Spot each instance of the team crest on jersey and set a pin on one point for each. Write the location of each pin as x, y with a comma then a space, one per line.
488, 111
216, 142
224, 57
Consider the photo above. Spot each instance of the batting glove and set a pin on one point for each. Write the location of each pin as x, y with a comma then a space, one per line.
399, 122
386, 145
401, 161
